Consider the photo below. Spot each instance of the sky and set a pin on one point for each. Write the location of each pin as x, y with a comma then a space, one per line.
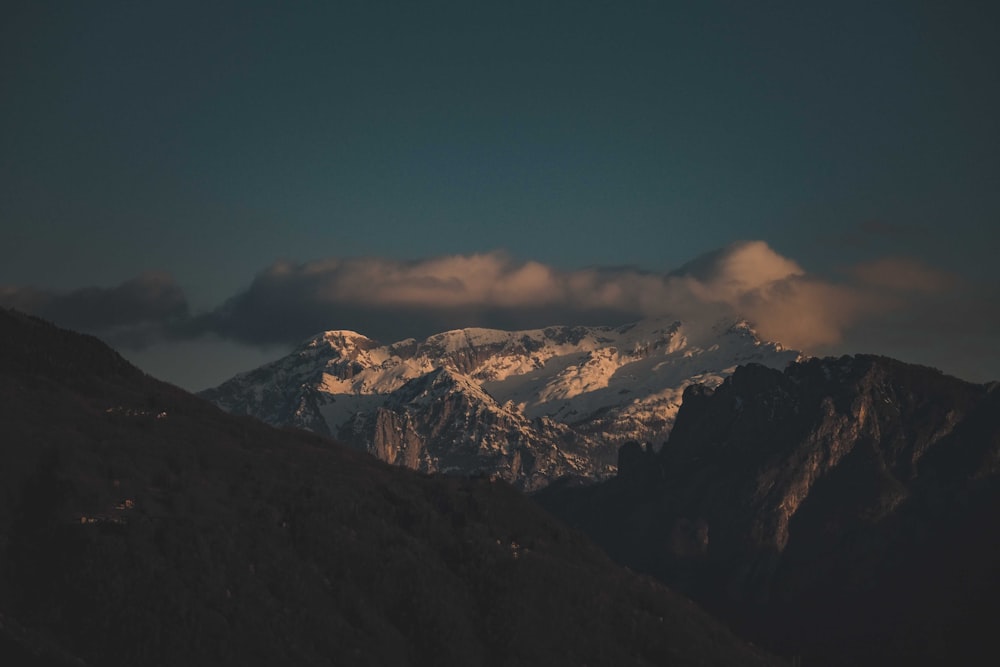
204, 185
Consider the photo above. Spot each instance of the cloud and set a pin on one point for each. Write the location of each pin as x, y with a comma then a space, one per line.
807, 313
391, 299
895, 305
131, 314
737, 269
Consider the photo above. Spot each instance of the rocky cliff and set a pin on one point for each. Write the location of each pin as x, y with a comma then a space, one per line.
845, 509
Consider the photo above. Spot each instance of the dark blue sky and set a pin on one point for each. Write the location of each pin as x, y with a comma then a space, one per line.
208, 140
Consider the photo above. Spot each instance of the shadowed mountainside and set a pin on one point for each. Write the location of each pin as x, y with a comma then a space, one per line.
844, 510
141, 525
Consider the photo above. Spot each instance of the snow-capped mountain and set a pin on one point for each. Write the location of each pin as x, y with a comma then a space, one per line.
529, 406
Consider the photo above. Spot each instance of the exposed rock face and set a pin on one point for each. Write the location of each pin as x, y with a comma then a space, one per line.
528, 406
443, 421
835, 510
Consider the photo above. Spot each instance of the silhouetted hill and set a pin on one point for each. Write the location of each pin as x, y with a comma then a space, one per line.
140, 525
845, 510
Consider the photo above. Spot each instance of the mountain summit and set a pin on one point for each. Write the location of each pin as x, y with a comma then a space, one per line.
530, 406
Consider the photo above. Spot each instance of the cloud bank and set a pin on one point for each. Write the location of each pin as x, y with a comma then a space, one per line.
893, 303
132, 314
391, 299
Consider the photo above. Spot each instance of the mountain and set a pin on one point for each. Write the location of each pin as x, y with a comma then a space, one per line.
142, 525
846, 511
529, 406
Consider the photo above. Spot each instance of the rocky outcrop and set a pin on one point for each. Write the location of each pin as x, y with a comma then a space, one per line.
835, 509
444, 422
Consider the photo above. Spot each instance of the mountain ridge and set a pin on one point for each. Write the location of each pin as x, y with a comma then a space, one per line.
843, 510
568, 396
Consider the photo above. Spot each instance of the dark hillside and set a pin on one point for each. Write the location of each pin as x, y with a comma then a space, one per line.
139, 525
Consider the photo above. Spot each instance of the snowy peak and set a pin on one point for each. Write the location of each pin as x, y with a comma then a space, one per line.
566, 395
346, 343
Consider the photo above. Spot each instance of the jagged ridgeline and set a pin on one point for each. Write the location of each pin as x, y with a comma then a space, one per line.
527, 406
140, 525
844, 510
